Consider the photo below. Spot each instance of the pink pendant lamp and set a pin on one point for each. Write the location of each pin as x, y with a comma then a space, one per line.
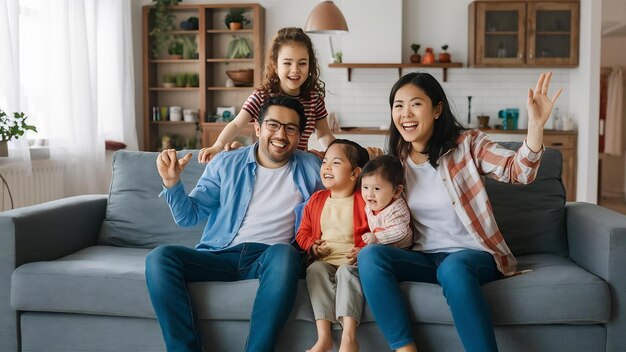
326, 18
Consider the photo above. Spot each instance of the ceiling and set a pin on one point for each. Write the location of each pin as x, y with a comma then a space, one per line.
614, 18
614, 28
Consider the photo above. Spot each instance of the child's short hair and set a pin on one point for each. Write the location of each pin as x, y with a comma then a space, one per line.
387, 166
357, 155
285, 101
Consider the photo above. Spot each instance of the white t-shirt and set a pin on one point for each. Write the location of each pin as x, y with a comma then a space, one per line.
270, 217
439, 228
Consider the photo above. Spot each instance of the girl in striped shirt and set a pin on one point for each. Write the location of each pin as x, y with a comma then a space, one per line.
291, 69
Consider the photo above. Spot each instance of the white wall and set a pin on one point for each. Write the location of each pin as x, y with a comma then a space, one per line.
364, 100
612, 53
613, 167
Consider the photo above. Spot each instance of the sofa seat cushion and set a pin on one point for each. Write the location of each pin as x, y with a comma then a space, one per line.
110, 280
556, 291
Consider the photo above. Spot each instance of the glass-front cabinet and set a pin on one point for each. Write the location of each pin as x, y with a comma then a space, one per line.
553, 33
523, 34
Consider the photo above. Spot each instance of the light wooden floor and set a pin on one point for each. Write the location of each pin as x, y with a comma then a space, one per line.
614, 203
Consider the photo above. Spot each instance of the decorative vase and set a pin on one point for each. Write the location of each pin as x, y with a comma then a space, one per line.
415, 58
444, 57
429, 57
164, 113
235, 26
176, 113
4, 149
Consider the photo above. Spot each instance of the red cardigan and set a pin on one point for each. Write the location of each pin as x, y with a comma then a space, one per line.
310, 229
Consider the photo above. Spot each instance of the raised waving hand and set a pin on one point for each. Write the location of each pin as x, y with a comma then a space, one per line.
539, 106
170, 167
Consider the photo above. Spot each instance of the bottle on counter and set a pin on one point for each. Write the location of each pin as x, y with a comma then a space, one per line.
557, 122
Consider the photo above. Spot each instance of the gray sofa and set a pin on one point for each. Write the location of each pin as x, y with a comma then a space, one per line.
72, 274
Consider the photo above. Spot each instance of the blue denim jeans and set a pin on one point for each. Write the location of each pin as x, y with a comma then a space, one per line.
169, 268
460, 274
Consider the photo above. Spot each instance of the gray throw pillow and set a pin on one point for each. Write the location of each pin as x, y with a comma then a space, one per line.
135, 215
532, 217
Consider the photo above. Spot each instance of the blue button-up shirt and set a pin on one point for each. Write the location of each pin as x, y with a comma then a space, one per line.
224, 190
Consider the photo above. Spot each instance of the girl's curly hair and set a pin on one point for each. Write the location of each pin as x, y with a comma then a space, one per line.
271, 82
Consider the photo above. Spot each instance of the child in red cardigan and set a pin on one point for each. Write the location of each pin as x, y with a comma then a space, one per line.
333, 223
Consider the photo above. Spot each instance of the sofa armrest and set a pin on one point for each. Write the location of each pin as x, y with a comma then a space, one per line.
597, 242
42, 232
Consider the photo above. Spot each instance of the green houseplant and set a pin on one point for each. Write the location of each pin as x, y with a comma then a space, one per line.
12, 128
238, 48
338, 57
175, 49
163, 24
190, 47
169, 80
444, 56
235, 16
415, 58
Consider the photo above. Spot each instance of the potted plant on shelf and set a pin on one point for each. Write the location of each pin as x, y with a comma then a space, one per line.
169, 80
190, 47
194, 79
12, 128
444, 56
163, 25
175, 49
429, 57
415, 58
338, 57
238, 48
235, 19
181, 79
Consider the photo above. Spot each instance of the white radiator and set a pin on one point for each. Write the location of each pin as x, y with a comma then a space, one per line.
46, 183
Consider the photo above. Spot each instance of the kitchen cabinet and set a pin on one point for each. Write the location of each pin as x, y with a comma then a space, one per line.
524, 34
211, 64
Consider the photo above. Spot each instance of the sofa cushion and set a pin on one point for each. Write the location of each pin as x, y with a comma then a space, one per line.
532, 217
135, 216
110, 281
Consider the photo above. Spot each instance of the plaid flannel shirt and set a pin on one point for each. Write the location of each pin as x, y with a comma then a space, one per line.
461, 169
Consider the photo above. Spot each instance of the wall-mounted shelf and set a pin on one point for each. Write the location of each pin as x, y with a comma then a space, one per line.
444, 66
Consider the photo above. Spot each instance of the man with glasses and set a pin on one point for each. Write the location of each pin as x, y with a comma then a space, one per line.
249, 196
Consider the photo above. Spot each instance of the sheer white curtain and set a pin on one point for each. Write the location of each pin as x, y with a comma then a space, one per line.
76, 80
10, 75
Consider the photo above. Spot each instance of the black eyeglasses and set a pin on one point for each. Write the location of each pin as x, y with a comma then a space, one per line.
275, 126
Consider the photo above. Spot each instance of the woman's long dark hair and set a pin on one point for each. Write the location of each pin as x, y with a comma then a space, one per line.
446, 128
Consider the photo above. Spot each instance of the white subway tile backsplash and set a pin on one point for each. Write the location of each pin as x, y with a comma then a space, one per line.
364, 100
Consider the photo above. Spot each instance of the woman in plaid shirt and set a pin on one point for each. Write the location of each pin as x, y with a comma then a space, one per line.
457, 244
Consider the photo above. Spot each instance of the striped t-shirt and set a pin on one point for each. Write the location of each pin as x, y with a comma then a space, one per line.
314, 109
